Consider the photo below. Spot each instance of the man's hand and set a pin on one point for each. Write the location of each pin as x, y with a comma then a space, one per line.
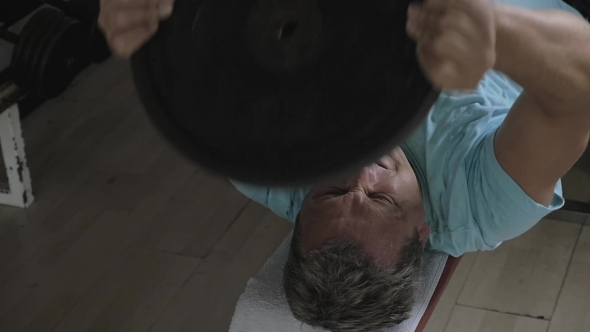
128, 24
456, 41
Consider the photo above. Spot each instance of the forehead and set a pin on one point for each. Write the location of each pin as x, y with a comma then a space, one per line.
378, 231
348, 205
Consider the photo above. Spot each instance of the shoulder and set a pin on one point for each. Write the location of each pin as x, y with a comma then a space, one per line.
473, 203
481, 205
284, 202
459, 120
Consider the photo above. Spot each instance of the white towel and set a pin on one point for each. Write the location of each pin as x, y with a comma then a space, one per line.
263, 306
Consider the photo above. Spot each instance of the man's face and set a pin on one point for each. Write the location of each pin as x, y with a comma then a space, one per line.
379, 208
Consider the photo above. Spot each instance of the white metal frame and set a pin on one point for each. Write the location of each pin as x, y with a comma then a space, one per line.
20, 191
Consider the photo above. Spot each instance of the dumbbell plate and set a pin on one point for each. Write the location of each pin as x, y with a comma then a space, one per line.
86, 11
33, 33
283, 94
98, 49
45, 36
62, 59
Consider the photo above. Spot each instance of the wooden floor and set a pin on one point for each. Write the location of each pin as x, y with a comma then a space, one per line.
127, 235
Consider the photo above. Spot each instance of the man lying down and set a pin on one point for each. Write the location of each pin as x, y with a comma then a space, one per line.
483, 168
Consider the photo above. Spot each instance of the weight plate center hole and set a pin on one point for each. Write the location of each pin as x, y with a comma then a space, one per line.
287, 30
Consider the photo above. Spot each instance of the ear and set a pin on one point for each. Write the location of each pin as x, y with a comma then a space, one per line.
424, 231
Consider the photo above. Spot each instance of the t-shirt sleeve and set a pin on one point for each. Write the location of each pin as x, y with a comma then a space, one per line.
284, 202
471, 202
500, 207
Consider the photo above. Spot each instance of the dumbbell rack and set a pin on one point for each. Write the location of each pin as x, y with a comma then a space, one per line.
13, 100
26, 103
20, 191
58, 40
42, 66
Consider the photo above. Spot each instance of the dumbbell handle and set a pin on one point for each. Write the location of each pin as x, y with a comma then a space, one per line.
9, 36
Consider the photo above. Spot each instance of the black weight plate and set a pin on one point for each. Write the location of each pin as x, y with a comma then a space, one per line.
283, 93
40, 23
24, 51
582, 6
64, 58
84, 11
13, 11
87, 12
98, 49
93, 10
73, 8
51, 30
44, 53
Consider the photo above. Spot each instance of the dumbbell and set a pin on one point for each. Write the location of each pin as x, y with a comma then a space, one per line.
282, 93
12, 11
87, 11
583, 6
47, 53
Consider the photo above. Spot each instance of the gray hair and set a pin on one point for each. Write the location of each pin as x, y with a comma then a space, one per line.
338, 288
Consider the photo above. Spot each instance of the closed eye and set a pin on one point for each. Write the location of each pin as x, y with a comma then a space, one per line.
380, 164
382, 197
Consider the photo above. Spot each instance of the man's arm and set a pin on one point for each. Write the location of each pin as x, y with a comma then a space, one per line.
548, 53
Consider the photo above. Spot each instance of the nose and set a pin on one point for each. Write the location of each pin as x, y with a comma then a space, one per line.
365, 177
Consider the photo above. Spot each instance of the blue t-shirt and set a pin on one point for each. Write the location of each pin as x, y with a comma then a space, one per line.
471, 202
